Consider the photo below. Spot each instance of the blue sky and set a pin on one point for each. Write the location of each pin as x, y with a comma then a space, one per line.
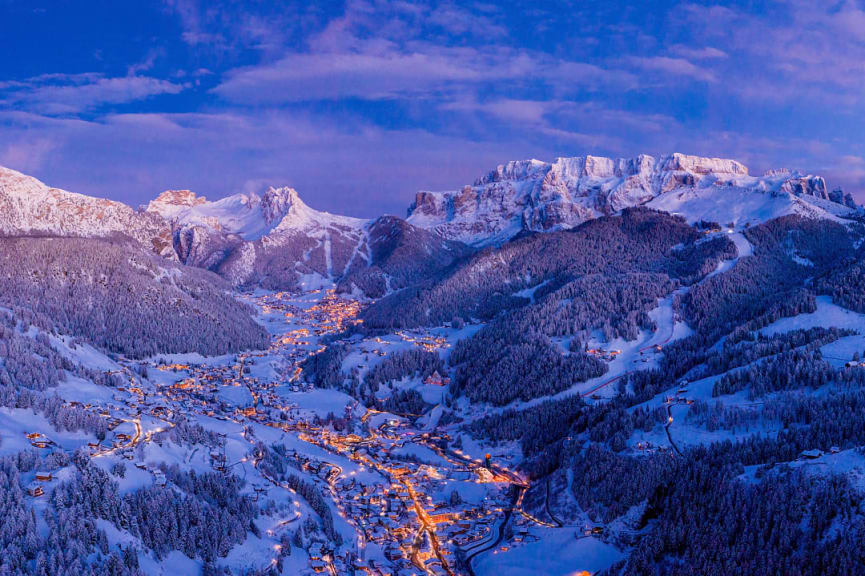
359, 104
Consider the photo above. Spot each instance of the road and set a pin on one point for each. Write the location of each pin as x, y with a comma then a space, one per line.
547, 506
499, 537
667, 429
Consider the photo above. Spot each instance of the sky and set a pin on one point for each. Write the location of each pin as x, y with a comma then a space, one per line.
360, 104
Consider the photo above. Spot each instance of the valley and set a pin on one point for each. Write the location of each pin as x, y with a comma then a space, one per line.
374, 397
432, 288
404, 500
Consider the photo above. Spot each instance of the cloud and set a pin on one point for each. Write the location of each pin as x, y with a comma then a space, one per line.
74, 93
379, 50
380, 69
703, 53
793, 52
674, 66
379, 73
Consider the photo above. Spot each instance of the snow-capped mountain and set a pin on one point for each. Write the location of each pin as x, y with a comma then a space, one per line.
273, 239
531, 195
276, 241
249, 216
27, 206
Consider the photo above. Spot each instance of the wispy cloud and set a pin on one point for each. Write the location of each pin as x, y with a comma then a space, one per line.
74, 93
698, 53
665, 65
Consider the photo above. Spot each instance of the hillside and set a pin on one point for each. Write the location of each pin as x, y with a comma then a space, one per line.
122, 299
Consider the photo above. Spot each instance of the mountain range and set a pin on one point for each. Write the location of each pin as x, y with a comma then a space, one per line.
531, 195
276, 241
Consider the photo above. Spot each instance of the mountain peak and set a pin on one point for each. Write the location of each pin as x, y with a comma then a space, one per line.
170, 202
276, 203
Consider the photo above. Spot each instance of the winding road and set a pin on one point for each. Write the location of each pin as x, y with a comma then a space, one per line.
499, 537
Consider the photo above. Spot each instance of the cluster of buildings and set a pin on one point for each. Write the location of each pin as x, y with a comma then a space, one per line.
332, 314
425, 340
406, 513
603, 354
399, 504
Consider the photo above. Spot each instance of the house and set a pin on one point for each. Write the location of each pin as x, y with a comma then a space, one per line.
436, 379
44, 476
41, 442
35, 490
811, 454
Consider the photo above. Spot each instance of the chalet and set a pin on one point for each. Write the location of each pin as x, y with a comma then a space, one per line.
41, 442
811, 454
436, 379
44, 476
35, 490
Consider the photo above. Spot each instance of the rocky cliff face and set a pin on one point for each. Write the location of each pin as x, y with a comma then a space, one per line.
28, 207
531, 195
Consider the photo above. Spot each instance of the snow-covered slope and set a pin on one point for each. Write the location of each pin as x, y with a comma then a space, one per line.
540, 196
28, 206
273, 238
